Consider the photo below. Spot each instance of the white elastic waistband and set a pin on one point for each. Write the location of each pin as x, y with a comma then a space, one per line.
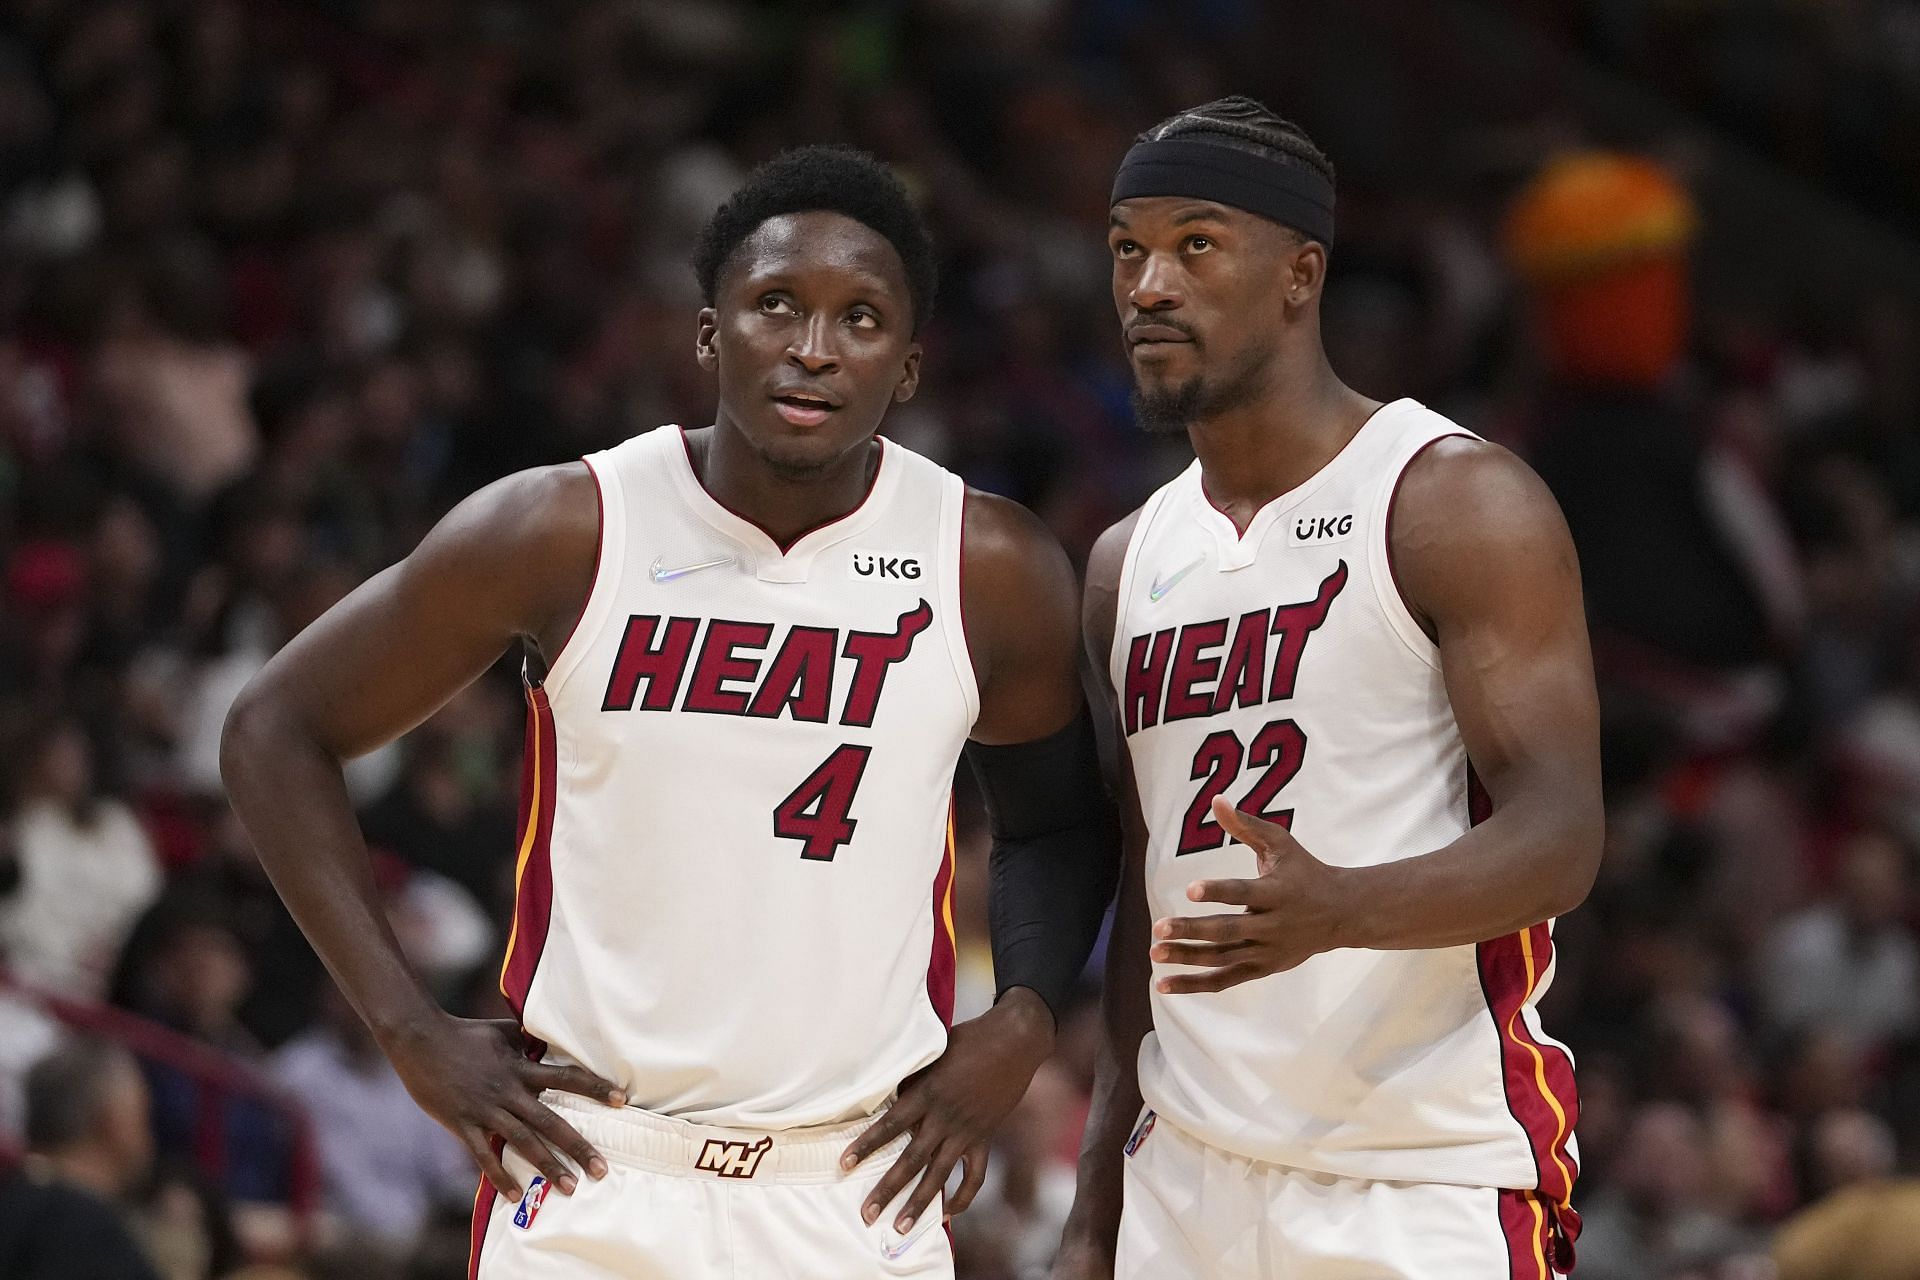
666, 1145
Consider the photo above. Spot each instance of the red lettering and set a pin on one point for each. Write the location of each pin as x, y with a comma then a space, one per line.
660, 666
800, 677
1293, 623
1146, 676
1243, 682
874, 653
717, 665
1190, 669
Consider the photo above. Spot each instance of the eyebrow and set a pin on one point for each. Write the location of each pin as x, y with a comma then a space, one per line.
1206, 213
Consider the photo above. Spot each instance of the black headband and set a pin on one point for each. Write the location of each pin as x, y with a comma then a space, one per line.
1291, 194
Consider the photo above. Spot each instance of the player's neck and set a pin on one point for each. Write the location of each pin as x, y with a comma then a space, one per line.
783, 504
1252, 454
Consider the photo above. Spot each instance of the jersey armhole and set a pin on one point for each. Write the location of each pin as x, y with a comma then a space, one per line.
1386, 580
953, 534
608, 553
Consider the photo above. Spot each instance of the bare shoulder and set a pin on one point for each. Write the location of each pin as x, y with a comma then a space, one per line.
1005, 548
1101, 606
1470, 517
529, 540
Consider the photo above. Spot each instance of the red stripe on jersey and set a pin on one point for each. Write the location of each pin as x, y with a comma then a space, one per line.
533, 869
941, 964
477, 1233
1523, 1224
1537, 1077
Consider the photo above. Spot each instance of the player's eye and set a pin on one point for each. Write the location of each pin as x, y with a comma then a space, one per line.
775, 304
863, 319
1198, 244
1125, 249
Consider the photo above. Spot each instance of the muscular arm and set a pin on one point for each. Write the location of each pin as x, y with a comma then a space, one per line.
1088, 1241
1485, 563
515, 560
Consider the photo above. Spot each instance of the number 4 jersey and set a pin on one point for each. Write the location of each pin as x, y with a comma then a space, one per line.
735, 861
1281, 669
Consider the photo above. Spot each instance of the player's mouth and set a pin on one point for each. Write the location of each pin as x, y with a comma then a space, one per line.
804, 408
1156, 335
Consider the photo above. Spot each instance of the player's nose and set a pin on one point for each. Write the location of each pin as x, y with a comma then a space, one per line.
813, 346
1156, 288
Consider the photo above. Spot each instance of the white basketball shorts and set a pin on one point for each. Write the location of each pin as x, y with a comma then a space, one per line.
684, 1202
1194, 1212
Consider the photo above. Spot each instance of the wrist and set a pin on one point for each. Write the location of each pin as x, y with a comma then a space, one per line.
1026, 1016
405, 1024
1348, 922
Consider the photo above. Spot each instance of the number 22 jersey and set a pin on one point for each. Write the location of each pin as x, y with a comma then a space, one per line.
734, 868
1281, 669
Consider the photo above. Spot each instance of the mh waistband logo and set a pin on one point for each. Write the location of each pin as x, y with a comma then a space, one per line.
732, 1159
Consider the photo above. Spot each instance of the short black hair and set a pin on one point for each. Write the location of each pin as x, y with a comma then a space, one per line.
1249, 124
830, 179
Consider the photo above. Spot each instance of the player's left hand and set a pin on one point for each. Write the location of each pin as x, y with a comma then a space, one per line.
953, 1107
1294, 910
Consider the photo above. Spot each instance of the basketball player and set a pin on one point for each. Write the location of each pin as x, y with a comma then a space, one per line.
757, 651
1350, 667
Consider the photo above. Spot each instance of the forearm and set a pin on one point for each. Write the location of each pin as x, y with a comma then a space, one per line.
291, 797
1527, 863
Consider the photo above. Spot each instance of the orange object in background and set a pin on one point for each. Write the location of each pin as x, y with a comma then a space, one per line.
1601, 240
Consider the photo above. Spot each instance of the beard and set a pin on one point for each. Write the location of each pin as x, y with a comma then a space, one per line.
1171, 410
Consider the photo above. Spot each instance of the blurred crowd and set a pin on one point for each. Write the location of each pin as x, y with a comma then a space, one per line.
281, 280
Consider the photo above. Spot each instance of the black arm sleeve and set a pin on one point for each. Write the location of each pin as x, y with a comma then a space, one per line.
1055, 861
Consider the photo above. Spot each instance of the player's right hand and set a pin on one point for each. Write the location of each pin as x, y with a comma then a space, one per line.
1081, 1260
471, 1076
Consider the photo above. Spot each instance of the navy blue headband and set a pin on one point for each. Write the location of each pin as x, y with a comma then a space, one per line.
1291, 194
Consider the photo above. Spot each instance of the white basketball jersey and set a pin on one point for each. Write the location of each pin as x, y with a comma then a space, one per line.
735, 856
1282, 670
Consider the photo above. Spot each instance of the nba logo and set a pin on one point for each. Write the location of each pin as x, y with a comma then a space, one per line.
1140, 1132
530, 1203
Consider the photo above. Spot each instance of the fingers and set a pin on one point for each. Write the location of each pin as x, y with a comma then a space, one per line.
480, 1147
1197, 953
931, 1184
574, 1080
1230, 927
975, 1177
536, 1152
893, 1122
1212, 979
1256, 833
563, 1137
911, 1161
1238, 893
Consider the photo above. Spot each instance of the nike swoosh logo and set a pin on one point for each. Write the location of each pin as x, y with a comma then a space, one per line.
1161, 588
661, 573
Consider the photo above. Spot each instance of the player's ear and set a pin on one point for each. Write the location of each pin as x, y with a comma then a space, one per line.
1304, 273
909, 376
703, 349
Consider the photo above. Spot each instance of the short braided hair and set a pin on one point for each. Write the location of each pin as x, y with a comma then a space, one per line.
1243, 122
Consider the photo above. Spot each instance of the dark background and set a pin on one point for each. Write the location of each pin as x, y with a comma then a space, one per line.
281, 281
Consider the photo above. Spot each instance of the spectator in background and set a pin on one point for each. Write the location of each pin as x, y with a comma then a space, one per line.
86, 868
1849, 962
385, 1164
1864, 1227
63, 1215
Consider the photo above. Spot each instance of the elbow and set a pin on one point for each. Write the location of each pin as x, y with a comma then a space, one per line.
1580, 862
245, 734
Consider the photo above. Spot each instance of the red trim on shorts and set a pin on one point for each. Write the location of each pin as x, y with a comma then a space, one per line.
941, 962
1523, 1224
477, 1234
533, 872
